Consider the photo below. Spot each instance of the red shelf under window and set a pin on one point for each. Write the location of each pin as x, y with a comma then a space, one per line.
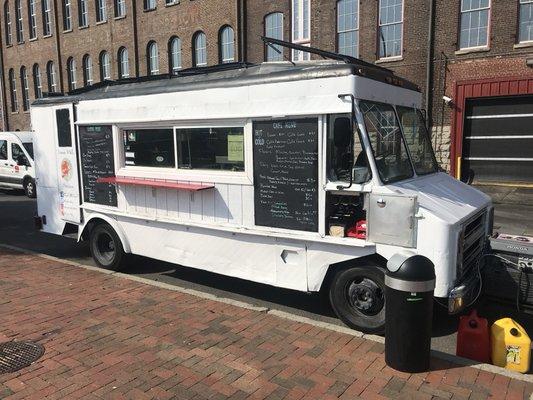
192, 187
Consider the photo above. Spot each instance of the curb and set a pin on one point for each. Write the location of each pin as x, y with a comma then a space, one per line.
280, 314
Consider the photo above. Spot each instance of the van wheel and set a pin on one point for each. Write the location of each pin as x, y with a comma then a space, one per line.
357, 295
106, 247
29, 188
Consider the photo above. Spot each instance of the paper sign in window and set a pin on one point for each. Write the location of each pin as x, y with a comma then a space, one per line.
235, 148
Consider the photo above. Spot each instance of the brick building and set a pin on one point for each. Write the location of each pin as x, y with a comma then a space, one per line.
477, 53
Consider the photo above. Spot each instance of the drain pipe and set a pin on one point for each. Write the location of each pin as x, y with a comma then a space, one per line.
429, 65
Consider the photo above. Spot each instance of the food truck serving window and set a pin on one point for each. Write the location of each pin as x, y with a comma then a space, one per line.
211, 148
386, 140
149, 148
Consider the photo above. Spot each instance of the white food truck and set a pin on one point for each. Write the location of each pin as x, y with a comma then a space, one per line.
307, 176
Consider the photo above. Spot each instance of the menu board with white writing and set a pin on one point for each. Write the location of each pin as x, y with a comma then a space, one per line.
96, 148
286, 173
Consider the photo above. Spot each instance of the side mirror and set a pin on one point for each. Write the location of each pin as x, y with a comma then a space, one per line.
342, 132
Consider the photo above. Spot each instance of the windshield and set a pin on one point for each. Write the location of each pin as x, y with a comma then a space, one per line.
417, 139
29, 148
386, 140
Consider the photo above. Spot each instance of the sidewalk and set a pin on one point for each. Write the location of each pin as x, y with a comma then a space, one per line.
107, 337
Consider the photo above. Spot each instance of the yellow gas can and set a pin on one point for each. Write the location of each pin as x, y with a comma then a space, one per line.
511, 346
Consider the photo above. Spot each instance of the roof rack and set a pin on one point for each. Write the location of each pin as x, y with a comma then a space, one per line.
322, 53
213, 68
362, 68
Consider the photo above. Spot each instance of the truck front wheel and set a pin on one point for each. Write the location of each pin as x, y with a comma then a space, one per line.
357, 295
106, 247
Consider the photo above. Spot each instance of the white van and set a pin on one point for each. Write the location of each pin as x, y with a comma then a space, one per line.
17, 169
306, 176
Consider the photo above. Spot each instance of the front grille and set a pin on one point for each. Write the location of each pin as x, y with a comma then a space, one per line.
471, 242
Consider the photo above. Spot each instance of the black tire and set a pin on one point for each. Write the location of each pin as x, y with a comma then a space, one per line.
29, 188
357, 295
106, 247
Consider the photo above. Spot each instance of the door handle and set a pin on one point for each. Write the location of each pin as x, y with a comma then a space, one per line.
381, 203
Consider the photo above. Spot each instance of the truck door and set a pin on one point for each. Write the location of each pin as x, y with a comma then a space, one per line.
4, 163
56, 165
20, 163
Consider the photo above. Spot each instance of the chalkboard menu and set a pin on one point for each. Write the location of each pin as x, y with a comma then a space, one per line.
96, 147
286, 173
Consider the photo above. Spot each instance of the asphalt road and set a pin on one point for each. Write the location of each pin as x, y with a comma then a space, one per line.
16, 229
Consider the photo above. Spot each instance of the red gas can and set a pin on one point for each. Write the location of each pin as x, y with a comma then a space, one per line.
473, 338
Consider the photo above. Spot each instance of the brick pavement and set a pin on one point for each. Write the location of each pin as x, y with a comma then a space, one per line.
108, 337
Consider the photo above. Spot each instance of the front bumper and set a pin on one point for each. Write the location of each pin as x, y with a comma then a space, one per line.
464, 293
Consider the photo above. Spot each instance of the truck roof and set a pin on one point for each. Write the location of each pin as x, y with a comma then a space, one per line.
225, 76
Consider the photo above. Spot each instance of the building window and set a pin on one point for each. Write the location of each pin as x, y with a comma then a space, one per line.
7, 23
390, 28
18, 16
474, 23
101, 12
152, 55
37, 82
67, 15
25, 88
123, 63
32, 19
150, 4
526, 21
51, 77
274, 30
105, 66
348, 27
211, 148
200, 49
83, 13
227, 45
87, 70
301, 27
13, 91
47, 17
71, 73
120, 8
174, 52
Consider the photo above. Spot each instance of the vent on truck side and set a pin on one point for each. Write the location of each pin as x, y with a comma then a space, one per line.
471, 243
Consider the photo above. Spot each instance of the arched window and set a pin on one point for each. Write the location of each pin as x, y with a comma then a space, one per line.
101, 11
227, 45
87, 70
83, 13
152, 54
348, 27
123, 63
37, 82
71, 73
7, 23
274, 30
199, 49
51, 77
32, 19
13, 91
174, 54
18, 17
105, 66
67, 15
47, 17
25, 88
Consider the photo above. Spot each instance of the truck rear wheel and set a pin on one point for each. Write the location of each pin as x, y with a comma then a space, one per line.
106, 247
357, 295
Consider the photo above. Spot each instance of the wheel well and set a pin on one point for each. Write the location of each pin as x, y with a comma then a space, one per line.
90, 226
374, 260
26, 179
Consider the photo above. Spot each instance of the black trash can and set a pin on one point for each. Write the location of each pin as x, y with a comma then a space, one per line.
410, 282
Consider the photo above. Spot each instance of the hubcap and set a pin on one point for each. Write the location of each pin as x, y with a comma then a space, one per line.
105, 248
30, 188
365, 296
